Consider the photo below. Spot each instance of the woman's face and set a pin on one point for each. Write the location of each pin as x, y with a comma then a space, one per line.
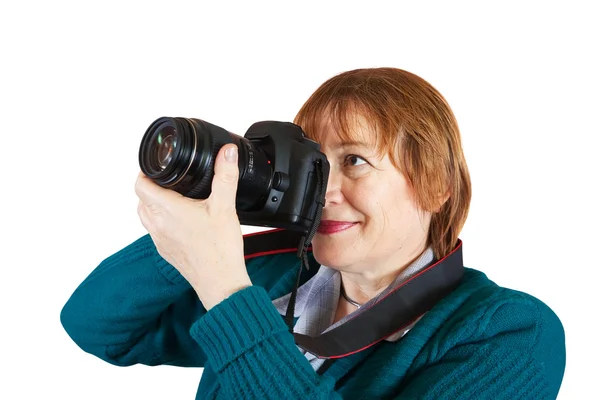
370, 224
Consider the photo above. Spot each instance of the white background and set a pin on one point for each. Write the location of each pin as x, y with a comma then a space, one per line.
81, 81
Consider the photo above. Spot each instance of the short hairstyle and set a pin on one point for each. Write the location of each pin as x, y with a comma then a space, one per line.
415, 127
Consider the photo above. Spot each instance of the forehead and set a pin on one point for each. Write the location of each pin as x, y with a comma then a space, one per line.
350, 130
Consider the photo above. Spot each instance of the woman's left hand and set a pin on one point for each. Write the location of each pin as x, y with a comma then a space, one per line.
202, 239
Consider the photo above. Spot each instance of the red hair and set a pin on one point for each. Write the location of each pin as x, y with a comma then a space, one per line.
415, 127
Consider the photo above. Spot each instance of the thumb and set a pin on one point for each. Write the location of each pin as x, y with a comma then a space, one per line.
225, 181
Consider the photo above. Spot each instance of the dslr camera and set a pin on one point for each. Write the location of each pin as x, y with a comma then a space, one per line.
282, 174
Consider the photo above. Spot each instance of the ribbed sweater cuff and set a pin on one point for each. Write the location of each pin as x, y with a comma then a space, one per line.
222, 336
168, 271
141, 248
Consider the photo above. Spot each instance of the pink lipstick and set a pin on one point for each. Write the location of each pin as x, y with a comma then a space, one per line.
328, 227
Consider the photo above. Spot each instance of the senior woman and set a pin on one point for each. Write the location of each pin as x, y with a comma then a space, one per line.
397, 197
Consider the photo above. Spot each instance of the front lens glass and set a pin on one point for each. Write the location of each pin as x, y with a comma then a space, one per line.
165, 145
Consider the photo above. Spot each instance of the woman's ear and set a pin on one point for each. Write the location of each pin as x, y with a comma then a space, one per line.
441, 200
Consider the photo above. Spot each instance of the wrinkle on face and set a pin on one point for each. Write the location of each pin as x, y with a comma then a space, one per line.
392, 231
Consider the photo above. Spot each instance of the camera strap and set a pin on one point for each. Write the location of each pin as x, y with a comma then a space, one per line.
388, 315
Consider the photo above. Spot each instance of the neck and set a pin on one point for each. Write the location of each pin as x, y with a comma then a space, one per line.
348, 299
360, 287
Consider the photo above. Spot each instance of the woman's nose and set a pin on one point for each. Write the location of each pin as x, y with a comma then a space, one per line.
333, 195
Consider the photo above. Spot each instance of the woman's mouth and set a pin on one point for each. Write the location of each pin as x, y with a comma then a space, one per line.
329, 227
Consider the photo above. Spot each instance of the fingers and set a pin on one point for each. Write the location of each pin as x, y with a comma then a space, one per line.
223, 189
141, 210
225, 181
151, 193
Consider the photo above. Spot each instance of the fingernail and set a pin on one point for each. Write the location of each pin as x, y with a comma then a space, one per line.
231, 154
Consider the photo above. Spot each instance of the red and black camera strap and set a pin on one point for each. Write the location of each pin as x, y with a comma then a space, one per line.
390, 314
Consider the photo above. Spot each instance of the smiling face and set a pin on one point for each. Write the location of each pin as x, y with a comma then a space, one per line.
364, 188
408, 126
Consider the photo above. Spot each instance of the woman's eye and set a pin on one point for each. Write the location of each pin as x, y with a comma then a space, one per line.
354, 160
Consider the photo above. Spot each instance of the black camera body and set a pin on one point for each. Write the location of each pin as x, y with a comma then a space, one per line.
295, 193
282, 174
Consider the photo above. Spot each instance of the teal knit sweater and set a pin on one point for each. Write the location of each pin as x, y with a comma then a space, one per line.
481, 342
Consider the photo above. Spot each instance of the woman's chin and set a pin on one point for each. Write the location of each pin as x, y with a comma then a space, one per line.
329, 256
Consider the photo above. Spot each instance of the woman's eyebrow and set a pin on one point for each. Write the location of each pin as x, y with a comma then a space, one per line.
354, 143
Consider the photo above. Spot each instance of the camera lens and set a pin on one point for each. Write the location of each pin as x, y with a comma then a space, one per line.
180, 153
166, 142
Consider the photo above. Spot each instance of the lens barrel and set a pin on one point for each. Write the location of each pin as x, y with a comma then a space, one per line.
180, 153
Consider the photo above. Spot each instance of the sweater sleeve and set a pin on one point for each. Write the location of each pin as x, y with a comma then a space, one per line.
135, 308
514, 350
249, 346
